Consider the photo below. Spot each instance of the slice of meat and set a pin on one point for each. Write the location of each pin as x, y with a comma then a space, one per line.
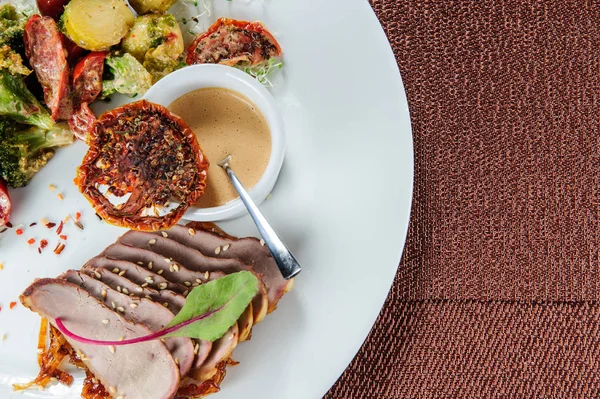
245, 324
141, 311
231, 42
82, 121
47, 56
170, 269
167, 298
248, 250
138, 274
147, 156
221, 351
142, 371
194, 260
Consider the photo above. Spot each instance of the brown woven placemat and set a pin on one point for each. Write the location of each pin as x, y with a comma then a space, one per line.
496, 295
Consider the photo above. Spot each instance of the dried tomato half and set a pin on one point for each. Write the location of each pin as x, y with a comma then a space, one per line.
147, 158
230, 41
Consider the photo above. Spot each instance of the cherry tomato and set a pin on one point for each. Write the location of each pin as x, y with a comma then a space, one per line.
4, 203
52, 8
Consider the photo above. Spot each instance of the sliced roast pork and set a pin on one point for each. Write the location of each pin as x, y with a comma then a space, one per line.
194, 260
168, 268
167, 298
248, 250
138, 274
141, 371
142, 311
221, 351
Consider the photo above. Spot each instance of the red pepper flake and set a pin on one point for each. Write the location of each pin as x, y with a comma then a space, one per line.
59, 248
43, 243
9, 225
19, 232
12, 305
59, 228
50, 225
63, 237
78, 216
0, 308
31, 241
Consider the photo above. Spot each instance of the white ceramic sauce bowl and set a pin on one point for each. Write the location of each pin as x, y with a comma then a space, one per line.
195, 77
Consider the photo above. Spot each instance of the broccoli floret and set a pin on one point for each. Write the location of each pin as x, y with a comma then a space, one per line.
17, 102
24, 151
12, 48
130, 77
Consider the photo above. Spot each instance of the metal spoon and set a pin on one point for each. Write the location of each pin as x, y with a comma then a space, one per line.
287, 263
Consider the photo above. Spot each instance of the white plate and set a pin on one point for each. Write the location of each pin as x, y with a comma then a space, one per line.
342, 204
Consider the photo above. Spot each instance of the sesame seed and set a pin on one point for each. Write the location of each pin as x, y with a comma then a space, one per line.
166, 304
162, 340
133, 305
113, 305
112, 349
159, 272
147, 297
1, 266
94, 380
140, 263
125, 291
105, 321
112, 390
225, 247
162, 286
122, 272
2, 337
171, 268
206, 274
116, 270
119, 288
149, 279
139, 289
199, 281
122, 338
177, 361
176, 268
52, 187
40, 350
150, 265
196, 349
98, 275
152, 241
185, 292
167, 260
218, 250
192, 232
103, 293
262, 242
164, 234
187, 283
60, 196
144, 285
121, 309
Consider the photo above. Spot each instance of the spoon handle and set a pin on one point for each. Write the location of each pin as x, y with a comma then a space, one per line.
287, 263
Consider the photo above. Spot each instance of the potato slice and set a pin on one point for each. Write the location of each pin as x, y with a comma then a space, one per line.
97, 24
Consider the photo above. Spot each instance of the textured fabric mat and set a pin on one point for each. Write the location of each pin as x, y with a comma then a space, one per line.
496, 292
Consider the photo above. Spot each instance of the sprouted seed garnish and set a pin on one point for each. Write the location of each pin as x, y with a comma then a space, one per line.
263, 72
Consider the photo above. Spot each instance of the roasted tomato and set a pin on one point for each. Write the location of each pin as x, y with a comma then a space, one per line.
4, 203
147, 157
52, 8
231, 42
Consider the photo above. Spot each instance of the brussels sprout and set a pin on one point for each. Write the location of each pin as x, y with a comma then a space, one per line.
156, 41
146, 6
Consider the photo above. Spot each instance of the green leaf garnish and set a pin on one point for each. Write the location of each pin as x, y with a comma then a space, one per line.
209, 311
212, 308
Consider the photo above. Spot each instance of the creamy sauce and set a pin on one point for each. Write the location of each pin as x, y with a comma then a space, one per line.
226, 122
